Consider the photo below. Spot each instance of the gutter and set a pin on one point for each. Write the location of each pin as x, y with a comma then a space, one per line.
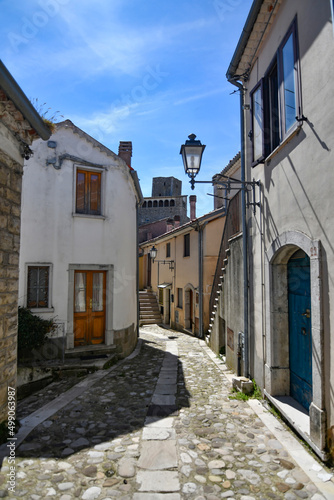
135, 179
247, 29
15, 93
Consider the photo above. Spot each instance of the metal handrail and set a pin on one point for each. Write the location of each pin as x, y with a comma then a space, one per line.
231, 227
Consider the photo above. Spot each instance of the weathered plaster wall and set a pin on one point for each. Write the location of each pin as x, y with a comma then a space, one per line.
53, 233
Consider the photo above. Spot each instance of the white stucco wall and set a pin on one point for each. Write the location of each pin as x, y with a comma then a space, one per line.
52, 233
298, 181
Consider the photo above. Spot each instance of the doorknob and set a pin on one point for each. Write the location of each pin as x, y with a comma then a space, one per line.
307, 313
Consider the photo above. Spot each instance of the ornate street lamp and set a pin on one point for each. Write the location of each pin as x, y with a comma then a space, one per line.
153, 253
191, 153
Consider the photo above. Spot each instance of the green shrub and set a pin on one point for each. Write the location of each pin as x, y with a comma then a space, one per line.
32, 330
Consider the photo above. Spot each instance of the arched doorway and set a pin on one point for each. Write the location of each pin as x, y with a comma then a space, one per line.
300, 335
293, 275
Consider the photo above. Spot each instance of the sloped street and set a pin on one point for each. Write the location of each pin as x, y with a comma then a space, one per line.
158, 425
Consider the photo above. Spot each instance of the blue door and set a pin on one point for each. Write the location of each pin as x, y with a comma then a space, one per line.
300, 339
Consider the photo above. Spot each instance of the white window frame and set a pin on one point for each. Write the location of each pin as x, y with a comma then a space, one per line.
39, 309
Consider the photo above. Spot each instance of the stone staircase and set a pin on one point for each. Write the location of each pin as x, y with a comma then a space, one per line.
149, 308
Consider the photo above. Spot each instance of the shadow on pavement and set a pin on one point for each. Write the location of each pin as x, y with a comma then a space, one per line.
115, 406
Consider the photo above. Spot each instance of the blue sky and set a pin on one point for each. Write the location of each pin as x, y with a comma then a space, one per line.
145, 71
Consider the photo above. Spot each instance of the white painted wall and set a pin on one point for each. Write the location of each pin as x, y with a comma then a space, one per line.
298, 182
51, 233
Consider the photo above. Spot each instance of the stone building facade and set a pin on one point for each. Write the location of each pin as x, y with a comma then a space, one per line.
166, 202
20, 124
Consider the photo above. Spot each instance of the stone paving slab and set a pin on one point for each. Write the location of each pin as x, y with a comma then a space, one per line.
163, 399
161, 410
158, 433
158, 481
167, 422
91, 446
156, 496
165, 388
158, 455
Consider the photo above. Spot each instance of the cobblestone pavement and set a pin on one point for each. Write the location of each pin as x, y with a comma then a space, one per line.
158, 426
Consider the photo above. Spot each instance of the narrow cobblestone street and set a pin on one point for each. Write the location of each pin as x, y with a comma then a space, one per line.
159, 425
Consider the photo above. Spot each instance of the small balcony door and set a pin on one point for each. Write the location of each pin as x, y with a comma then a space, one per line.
89, 307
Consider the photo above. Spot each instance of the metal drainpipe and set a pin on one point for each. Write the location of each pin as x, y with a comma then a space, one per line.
137, 267
200, 278
244, 224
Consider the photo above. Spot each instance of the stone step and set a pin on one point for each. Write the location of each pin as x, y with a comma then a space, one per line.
150, 321
90, 351
149, 306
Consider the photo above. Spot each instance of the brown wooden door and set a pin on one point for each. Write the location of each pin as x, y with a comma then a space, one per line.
89, 307
191, 308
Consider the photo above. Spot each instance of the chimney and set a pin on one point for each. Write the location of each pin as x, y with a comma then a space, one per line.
192, 201
169, 225
125, 151
177, 220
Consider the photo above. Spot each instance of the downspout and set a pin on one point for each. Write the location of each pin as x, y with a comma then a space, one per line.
137, 266
200, 280
244, 224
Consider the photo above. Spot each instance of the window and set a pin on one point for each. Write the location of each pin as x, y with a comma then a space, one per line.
155, 203
161, 203
172, 203
180, 298
88, 192
167, 250
257, 124
38, 287
276, 100
186, 245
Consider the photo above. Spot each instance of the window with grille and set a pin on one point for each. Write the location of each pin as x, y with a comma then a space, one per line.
38, 287
88, 192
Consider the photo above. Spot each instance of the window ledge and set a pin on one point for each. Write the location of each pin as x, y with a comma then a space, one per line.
89, 216
40, 310
294, 131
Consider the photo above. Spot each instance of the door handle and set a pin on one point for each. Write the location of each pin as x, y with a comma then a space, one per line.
91, 303
307, 313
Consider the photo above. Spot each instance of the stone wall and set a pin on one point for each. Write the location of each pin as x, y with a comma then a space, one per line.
125, 340
10, 210
154, 209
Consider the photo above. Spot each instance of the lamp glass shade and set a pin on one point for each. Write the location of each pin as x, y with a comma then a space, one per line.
192, 157
192, 152
153, 252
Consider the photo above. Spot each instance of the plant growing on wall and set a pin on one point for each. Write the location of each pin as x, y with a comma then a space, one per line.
50, 119
32, 331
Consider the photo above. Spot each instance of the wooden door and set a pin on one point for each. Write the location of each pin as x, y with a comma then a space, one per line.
89, 307
191, 308
300, 343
